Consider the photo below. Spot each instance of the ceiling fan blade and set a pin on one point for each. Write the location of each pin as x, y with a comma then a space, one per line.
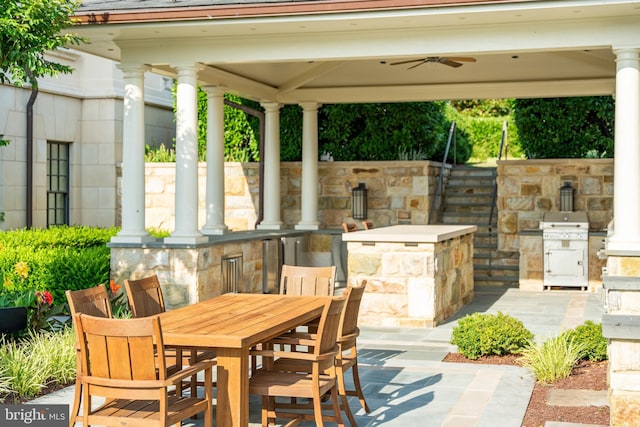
422, 61
461, 58
407, 62
449, 62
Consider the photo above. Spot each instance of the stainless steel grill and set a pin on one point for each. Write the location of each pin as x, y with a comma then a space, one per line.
565, 237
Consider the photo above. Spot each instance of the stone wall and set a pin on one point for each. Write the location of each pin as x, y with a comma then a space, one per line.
527, 189
179, 269
399, 192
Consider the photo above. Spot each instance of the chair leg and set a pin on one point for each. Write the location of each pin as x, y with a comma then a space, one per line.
342, 392
317, 407
336, 407
75, 409
356, 382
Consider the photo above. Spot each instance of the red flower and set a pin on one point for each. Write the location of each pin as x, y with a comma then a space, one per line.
45, 297
113, 286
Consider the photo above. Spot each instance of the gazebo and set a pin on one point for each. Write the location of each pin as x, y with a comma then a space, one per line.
352, 51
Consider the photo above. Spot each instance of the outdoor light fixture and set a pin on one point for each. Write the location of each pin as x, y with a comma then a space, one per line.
359, 202
566, 197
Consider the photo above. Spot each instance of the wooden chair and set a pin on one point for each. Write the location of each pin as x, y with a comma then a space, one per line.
123, 361
144, 296
318, 382
95, 302
146, 299
368, 225
309, 281
299, 280
348, 227
347, 357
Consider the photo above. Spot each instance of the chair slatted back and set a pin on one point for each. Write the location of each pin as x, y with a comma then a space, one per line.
145, 296
121, 349
310, 281
348, 227
368, 225
349, 321
92, 301
328, 327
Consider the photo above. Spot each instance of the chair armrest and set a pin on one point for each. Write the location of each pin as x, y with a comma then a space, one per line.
191, 370
150, 384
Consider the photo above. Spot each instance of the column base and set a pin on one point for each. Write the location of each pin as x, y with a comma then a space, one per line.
215, 230
277, 226
308, 226
133, 239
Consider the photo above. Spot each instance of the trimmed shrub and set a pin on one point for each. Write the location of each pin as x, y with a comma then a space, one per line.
54, 259
482, 334
589, 336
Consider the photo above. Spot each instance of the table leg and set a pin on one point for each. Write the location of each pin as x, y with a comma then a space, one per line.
232, 402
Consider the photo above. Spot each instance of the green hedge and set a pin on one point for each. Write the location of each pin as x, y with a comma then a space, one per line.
54, 259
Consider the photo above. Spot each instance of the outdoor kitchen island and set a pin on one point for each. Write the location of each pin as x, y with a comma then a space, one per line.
417, 275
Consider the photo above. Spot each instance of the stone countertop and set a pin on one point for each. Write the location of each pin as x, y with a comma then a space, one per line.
410, 233
231, 236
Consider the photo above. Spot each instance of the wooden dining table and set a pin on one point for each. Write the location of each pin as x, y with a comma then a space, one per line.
232, 324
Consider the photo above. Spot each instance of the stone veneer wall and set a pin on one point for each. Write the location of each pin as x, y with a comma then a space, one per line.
399, 192
412, 286
178, 269
527, 189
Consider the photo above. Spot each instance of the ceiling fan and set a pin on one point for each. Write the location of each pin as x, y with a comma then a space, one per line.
451, 61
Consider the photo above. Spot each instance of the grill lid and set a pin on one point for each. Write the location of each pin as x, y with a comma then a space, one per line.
564, 219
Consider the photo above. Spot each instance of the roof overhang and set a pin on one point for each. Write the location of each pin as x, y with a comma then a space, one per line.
342, 51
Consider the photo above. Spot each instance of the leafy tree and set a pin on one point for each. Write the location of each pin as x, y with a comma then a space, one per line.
28, 29
482, 121
241, 131
291, 133
566, 127
384, 131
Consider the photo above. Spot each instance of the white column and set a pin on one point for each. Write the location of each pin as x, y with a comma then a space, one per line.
214, 223
133, 190
271, 213
626, 176
186, 204
309, 186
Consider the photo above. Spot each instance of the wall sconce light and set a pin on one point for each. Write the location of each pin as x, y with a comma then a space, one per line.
359, 202
566, 197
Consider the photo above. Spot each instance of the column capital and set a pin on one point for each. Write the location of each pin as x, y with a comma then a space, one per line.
271, 106
212, 90
309, 105
188, 70
627, 57
133, 70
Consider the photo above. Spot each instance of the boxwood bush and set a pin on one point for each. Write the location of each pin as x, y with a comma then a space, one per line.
589, 336
482, 334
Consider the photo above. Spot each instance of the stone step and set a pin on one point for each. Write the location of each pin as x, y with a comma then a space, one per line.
466, 208
473, 171
481, 262
496, 270
468, 189
463, 199
483, 280
466, 219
